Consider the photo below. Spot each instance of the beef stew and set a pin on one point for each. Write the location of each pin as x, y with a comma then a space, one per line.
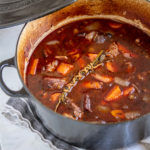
93, 70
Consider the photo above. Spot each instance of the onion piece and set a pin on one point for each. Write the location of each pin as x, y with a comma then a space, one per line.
87, 103
53, 42
121, 82
61, 57
52, 66
127, 55
91, 36
103, 109
93, 26
132, 115
100, 39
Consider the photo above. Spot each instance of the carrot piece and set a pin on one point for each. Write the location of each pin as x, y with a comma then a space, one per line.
64, 68
75, 56
128, 91
118, 114
125, 50
54, 97
103, 78
74, 51
34, 67
113, 94
81, 63
92, 57
111, 67
68, 115
92, 85
115, 25
75, 31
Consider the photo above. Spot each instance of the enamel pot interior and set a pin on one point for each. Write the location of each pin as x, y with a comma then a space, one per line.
93, 136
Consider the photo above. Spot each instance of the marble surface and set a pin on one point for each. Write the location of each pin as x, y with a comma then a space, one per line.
12, 136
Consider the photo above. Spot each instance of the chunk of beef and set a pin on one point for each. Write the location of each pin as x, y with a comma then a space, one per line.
113, 50
54, 83
87, 103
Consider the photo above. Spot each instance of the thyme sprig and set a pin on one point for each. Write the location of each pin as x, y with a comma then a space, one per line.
80, 76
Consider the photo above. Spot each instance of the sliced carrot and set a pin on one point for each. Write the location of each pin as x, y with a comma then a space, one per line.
103, 78
75, 31
54, 97
115, 25
118, 114
75, 56
34, 67
68, 115
92, 85
81, 63
114, 93
111, 66
74, 51
128, 91
92, 57
125, 50
64, 68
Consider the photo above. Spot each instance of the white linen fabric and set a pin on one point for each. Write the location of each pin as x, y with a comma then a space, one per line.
20, 113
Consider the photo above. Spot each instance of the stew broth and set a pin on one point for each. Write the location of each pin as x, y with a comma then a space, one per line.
117, 89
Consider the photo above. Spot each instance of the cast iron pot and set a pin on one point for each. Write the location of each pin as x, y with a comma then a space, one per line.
92, 136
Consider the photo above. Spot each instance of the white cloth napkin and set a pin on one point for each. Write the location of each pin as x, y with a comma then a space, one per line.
20, 112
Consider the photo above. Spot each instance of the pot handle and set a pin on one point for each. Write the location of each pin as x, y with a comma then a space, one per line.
10, 63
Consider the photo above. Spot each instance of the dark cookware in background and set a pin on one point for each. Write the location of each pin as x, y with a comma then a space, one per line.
92, 136
14, 12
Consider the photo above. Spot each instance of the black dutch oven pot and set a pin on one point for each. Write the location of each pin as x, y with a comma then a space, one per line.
93, 136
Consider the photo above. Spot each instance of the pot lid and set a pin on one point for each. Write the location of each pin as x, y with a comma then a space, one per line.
13, 12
